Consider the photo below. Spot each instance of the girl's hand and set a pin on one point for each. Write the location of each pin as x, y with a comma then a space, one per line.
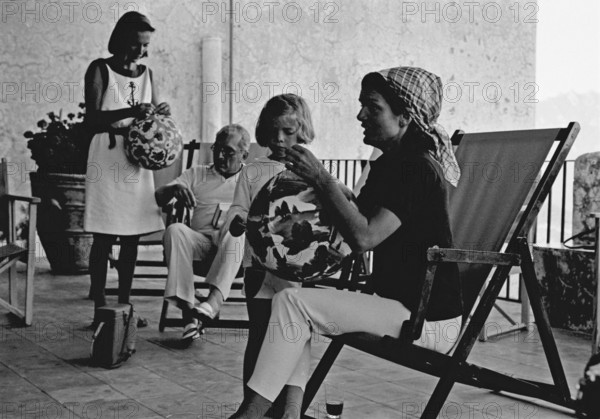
143, 110
163, 108
184, 195
303, 163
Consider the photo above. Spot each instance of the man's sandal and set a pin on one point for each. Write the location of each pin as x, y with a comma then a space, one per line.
205, 314
190, 332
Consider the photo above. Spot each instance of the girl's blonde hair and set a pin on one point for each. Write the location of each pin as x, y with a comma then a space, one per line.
280, 105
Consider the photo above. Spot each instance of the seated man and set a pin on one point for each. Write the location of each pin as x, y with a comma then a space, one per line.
207, 190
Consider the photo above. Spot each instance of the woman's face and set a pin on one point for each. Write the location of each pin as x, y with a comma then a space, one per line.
285, 132
381, 126
136, 47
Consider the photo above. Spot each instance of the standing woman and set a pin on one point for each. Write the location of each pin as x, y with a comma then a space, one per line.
119, 196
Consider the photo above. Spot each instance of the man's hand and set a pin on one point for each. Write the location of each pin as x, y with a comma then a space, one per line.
184, 195
303, 163
237, 226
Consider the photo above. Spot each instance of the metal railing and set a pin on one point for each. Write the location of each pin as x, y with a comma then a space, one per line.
346, 170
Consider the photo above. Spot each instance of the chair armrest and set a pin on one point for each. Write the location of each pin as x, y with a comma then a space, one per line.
441, 255
413, 328
31, 199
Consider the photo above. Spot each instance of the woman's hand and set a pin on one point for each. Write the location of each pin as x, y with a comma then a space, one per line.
304, 163
142, 110
163, 109
184, 195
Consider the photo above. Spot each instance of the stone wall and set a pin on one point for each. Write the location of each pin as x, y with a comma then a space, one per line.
586, 191
484, 53
487, 67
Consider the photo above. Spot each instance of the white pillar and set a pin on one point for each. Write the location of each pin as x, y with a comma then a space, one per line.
211, 80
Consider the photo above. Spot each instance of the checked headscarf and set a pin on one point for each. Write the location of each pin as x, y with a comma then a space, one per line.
421, 91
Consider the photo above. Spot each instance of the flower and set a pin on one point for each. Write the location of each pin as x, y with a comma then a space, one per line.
60, 145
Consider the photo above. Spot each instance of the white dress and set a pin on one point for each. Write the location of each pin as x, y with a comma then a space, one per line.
120, 195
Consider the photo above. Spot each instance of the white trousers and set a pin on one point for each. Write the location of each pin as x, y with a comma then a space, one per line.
184, 245
298, 313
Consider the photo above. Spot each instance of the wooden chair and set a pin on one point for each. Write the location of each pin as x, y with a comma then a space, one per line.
174, 214
12, 251
178, 213
596, 332
499, 169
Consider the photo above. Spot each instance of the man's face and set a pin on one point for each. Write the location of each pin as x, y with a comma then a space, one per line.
228, 156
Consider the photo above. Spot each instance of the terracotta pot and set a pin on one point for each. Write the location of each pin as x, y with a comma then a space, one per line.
60, 221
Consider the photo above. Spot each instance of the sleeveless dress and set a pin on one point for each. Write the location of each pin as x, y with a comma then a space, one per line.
120, 195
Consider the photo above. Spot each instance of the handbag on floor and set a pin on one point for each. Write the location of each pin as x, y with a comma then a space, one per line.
588, 405
585, 239
113, 341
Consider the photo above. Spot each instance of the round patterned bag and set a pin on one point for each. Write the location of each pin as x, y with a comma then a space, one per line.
153, 143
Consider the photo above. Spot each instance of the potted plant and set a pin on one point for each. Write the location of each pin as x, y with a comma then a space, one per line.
60, 148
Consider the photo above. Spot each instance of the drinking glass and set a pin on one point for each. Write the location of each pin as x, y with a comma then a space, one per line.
334, 400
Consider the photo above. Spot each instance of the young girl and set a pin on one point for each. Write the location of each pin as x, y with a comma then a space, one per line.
283, 122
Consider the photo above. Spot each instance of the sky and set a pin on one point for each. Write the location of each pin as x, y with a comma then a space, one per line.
568, 65
568, 47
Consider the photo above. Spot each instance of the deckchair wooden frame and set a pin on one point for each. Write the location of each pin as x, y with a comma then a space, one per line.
454, 368
11, 252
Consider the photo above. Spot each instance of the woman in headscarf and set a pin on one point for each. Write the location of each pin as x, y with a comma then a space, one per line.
119, 196
402, 211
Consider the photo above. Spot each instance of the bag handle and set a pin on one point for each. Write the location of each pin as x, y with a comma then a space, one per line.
124, 355
580, 235
94, 337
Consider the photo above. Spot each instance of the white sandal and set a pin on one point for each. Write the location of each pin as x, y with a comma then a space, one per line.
190, 331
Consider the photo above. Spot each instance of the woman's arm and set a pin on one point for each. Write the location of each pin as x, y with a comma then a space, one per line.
362, 233
162, 108
95, 86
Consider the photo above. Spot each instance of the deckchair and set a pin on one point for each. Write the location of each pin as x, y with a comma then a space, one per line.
489, 226
12, 251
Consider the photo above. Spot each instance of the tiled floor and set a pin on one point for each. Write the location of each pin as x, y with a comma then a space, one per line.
44, 371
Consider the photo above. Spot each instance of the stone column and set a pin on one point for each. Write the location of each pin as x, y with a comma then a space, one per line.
211, 94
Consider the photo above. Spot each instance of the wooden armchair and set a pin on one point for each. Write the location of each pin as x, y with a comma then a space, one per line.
178, 213
12, 251
490, 230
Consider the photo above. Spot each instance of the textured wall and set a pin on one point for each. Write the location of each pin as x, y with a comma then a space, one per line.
45, 52
479, 54
323, 52
567, 285
586, 191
